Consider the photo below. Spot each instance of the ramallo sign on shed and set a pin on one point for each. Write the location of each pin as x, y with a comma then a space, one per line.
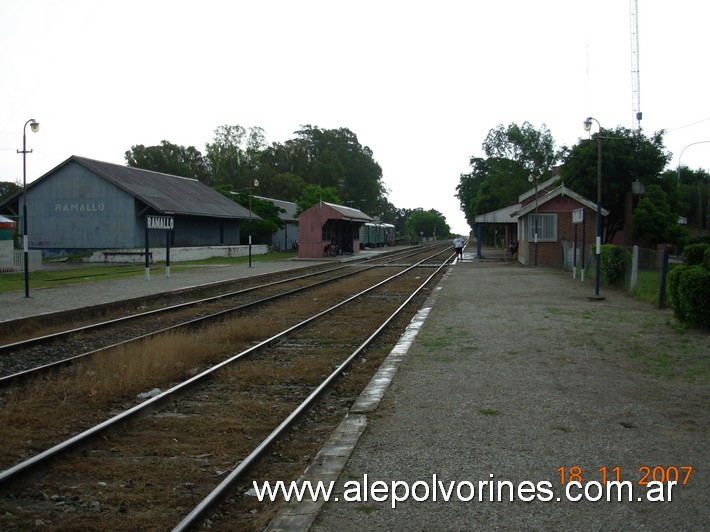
161, 222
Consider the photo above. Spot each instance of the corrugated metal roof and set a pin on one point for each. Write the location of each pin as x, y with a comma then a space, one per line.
167, 194
501, 216
290, 208
349, 213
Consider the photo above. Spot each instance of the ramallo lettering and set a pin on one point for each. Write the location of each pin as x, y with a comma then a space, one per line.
79, 208
161, 222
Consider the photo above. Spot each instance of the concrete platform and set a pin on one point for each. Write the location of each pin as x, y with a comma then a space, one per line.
514, 377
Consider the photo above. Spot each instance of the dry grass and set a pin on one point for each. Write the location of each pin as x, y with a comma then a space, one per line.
81, 396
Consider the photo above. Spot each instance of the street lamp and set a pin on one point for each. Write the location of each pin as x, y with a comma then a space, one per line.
254, 183
34, 126
588, 127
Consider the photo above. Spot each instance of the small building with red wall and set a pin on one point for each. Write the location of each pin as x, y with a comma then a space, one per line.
327, 228
550, 213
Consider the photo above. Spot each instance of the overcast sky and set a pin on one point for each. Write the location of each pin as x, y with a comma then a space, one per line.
419, 82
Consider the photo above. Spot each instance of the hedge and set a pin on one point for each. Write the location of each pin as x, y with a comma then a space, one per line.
693, 253
689, 293
613, 264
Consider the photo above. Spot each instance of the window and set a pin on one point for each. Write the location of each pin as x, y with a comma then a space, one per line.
545, 225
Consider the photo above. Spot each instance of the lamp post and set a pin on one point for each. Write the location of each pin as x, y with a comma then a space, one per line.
254, 183
588, 127
34, 126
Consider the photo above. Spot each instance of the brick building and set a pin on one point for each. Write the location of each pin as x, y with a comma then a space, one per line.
558, 216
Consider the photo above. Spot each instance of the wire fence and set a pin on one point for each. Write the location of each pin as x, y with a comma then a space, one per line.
644, 271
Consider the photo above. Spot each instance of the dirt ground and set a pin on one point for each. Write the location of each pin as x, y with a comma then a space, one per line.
517, 376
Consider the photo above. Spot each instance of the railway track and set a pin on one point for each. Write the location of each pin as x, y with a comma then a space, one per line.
28, 356
155, 458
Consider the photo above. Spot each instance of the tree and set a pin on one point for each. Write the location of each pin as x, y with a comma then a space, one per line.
428, 223
514, 153
688, 192
494, 183
331, 160
169, 158
284, 186
654, 222
226, 157
269, 213
335, 158
627, 156
533, 149
313, 194
7, 189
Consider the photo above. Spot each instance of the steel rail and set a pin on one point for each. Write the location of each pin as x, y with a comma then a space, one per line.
7, 379
225, 486
123, 319
107, 323
155, 403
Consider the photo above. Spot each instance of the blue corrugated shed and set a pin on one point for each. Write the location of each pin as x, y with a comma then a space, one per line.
86, 204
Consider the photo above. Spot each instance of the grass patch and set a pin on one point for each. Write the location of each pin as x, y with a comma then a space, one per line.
44, 278
562, 428
489, 412
79, 273
648, 285
435, 342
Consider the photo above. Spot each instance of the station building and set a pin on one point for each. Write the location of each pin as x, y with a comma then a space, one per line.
562, 220
84, 204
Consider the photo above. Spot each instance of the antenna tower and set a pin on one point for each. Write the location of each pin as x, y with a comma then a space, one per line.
635, 80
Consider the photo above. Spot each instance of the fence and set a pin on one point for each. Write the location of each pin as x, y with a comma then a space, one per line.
644, 273
18, 261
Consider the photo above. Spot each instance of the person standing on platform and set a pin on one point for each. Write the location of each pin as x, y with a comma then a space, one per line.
458, 247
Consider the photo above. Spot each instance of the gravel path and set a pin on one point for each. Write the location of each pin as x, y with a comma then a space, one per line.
516, 374
14, 305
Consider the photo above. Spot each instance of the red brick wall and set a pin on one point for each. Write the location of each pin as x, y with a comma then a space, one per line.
550, 253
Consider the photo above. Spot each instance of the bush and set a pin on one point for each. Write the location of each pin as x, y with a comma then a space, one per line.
694, 294
672, 284
693, 253
613, 264
706, 259
699, 239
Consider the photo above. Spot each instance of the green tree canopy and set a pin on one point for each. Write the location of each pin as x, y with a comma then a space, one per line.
313, 194
169, 158
428, 223
688, 192
654, 222
268, 212
315, 164
7, 189
335, 158
234, 155
627, 156
531, 148
514, 154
